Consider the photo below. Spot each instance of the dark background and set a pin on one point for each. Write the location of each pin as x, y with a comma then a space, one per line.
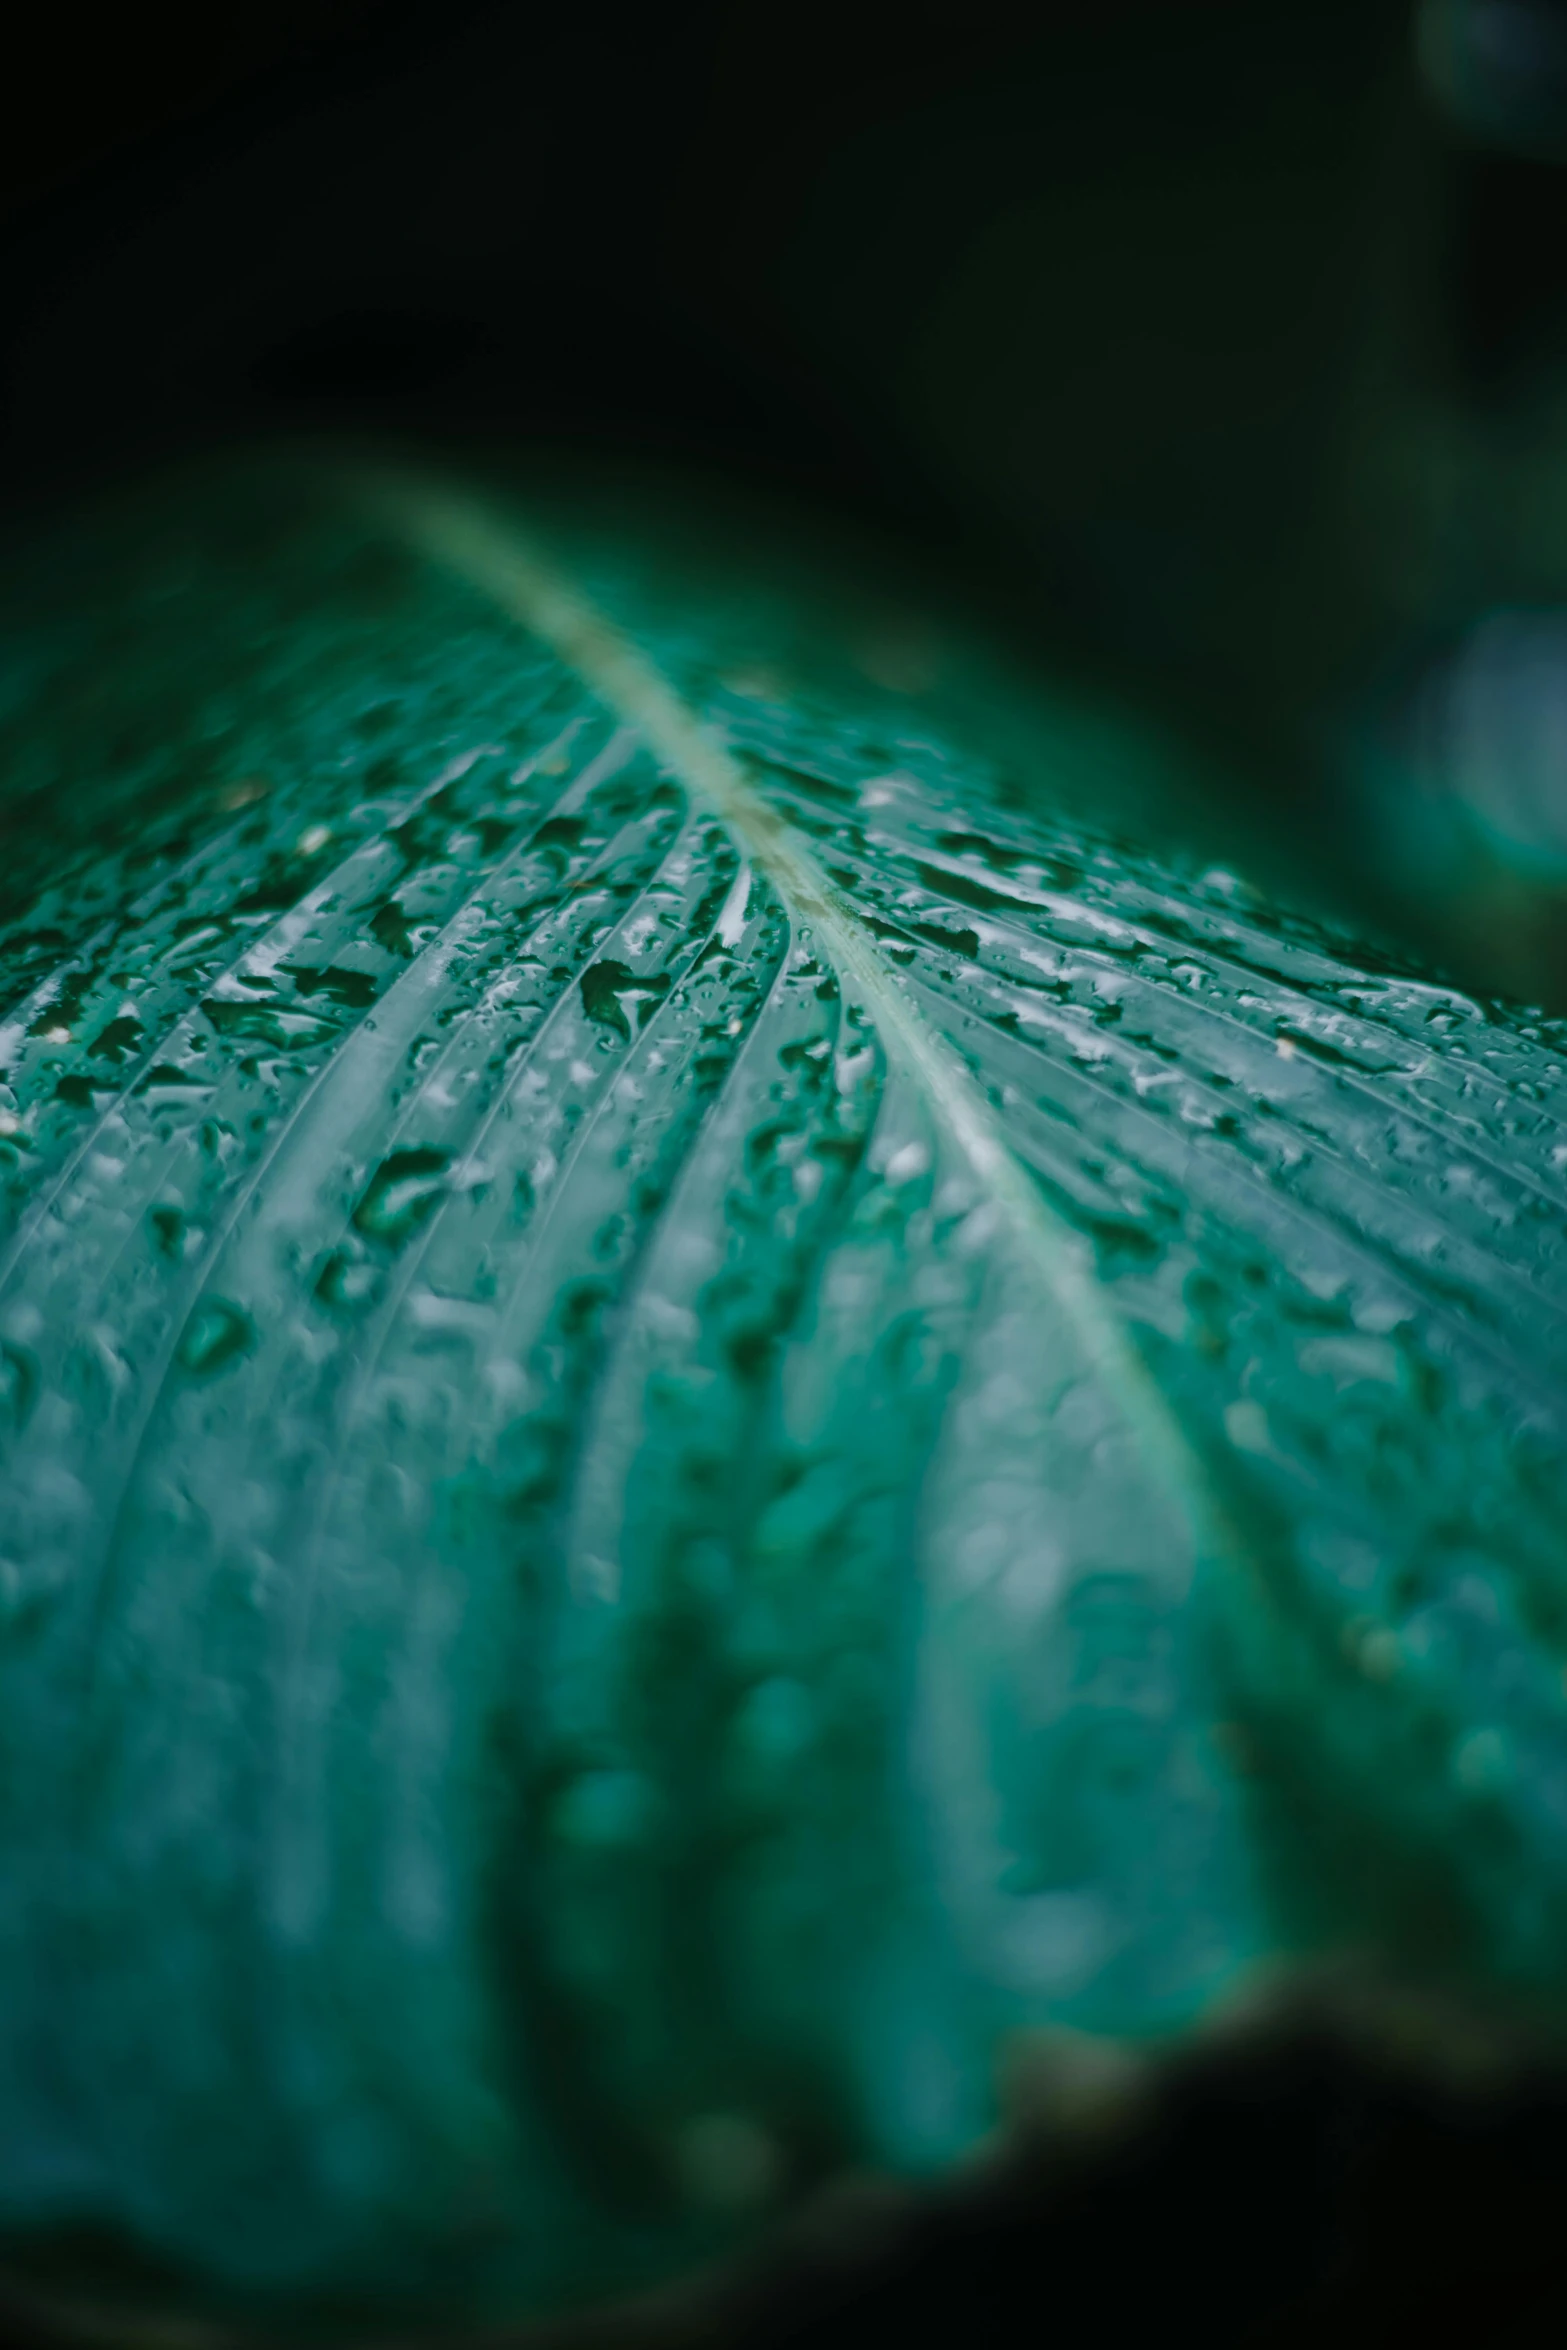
1226, 340
1148, 302
1221, 344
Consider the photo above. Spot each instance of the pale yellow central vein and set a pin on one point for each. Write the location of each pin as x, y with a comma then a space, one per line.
505, 564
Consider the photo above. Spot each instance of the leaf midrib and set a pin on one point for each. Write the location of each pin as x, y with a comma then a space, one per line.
506, 565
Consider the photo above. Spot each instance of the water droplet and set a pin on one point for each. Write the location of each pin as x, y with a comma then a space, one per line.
217, 1334
612, 993
168, 1226
346, 1282
401, 1194
355, 989
119, 1039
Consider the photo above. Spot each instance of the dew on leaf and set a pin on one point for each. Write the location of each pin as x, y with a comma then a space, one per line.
217, 1334
872, 1448
613, 995
356, 989
119, 1039
262, 1023
168, 1226
389, 929
402, 1193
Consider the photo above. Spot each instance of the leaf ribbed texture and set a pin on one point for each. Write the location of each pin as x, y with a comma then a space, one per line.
705, 1403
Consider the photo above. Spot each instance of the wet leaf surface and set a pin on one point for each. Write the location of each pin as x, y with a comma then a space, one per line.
707, 1400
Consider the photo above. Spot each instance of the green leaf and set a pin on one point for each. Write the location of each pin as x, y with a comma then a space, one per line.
709, 1401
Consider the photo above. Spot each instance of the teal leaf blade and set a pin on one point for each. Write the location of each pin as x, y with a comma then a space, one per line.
704, 1409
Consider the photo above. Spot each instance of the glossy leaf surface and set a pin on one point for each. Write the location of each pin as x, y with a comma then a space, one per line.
706, 1402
